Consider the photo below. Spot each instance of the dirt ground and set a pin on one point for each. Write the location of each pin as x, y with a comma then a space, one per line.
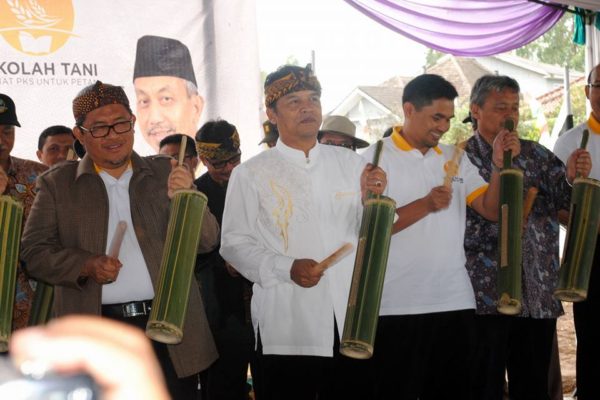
567, 348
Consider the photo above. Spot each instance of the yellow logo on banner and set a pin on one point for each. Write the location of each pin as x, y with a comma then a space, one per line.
36, 27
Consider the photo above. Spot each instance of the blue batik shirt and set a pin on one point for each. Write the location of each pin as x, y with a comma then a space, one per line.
543, 170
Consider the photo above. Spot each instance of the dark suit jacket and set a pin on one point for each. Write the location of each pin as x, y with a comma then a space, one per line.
68, 224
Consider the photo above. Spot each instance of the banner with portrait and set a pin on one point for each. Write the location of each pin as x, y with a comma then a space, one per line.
181, 63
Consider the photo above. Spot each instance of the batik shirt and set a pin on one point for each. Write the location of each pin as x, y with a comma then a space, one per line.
543, 170
22, 175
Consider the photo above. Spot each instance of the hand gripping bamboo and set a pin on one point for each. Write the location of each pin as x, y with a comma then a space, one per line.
370, 263
509, 237
580, 243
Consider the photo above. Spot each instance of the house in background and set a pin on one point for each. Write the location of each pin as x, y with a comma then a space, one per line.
554, 98
462, 72
375, 108
535, 78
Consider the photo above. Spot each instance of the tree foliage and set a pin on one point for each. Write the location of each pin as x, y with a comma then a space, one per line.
458, 131
556, 46
432, 57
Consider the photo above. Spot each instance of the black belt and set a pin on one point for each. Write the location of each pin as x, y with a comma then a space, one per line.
127, 310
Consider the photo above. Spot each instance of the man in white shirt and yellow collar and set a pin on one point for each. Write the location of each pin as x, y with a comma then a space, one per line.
427, 308
287, 209
66, 239
585, 313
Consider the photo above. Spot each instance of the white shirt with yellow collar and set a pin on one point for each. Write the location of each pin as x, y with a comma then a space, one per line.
426, 265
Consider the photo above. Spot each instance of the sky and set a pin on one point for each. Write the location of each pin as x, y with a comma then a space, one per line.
350, 48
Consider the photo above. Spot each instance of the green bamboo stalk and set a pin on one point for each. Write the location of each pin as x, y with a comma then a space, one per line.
364, 299
509, 125
370, 264
11, 220
376, 157
509, 242
584, 139
41, 307
582, 231
169, 307
580, 243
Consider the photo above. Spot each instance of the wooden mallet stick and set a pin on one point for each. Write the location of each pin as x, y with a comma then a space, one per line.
453, 165
528, 204
71, 156
335, 257
117, 240
182, 150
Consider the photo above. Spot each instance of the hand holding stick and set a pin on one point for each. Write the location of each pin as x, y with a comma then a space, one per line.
453, 165
335, 257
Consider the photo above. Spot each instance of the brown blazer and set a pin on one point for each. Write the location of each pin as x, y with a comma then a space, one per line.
68, 223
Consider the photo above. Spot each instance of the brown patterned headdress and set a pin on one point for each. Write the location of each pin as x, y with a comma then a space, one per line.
95, 96
288, 79
218, 140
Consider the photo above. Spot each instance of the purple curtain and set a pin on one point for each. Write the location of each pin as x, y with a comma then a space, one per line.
464, 27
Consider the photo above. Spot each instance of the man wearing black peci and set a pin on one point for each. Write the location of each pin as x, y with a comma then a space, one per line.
74, 218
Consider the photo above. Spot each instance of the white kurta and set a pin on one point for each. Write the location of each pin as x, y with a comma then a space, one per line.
282, 206
426, 265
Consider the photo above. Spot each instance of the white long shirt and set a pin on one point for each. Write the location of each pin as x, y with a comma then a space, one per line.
134, 282
281, 206
426, 265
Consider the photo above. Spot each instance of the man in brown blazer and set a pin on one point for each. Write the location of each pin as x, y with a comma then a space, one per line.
75, 216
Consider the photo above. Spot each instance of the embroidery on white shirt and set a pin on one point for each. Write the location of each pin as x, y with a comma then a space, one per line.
283, 210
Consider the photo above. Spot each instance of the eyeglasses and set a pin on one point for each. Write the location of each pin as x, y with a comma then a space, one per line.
595, 85
222, 164
101, 131
345, 145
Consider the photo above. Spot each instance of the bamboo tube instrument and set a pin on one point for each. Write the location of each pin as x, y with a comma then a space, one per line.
509, 237
11, 221
362, 313
41, 306
580, 243
169, 306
